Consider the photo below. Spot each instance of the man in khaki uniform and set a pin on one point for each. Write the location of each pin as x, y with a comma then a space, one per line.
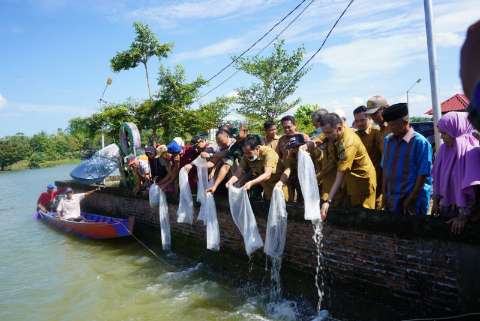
353, 166
271, 137
259, 166
372, 138
375, 107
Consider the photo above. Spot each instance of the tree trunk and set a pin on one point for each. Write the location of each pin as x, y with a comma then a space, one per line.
154, 135
148, 82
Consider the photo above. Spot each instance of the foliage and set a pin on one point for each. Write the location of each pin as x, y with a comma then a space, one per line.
278, 79
303, 118
13, 149
207, 116
111, 118
145, 46
417, 119
171, 104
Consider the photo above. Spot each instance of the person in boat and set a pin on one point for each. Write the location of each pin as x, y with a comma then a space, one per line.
69, 207
407, 165
230, 161
259, 166
271, 137
353, 167
46, 199
372, 138
141, 170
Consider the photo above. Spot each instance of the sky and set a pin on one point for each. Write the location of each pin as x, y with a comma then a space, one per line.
54, 56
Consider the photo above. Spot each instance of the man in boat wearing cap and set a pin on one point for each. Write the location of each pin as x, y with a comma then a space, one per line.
69, 208
259, 166
46, 199
373, 140
353, 166
407, 165
141, 170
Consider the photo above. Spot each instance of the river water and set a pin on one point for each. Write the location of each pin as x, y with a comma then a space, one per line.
46, 275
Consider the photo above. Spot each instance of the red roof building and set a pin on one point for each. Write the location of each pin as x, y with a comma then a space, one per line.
457, 102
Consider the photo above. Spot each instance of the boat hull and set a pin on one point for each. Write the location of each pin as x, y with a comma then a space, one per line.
95, 226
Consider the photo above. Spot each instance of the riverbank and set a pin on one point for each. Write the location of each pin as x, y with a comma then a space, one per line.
24, 164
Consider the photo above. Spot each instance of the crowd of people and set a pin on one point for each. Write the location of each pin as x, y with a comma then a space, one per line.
379, 163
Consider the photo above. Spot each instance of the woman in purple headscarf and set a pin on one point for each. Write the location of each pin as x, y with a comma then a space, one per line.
456, 176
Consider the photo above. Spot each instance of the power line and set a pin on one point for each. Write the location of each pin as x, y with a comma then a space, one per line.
260, 51
320, 48
255, 43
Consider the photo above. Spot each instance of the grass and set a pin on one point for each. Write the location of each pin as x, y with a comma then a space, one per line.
23, 164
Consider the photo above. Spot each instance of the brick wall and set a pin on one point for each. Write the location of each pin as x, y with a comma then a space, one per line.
382, 275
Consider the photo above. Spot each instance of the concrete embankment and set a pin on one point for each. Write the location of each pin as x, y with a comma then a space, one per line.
374, 265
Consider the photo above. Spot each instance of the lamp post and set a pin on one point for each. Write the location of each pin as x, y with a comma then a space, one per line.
432, 61
411, 87
100, 102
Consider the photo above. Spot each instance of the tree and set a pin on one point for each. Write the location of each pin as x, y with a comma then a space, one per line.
145, 46
13, 149
207, 116
278, 79
418, 119
303, 118
171, 103
111, 118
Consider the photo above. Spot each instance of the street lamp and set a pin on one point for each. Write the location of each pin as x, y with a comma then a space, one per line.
101, 101
411, 87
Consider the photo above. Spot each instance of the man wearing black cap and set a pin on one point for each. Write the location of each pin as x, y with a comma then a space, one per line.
353, 166
407, 165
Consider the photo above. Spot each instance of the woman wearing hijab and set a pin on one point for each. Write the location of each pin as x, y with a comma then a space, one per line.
455, 171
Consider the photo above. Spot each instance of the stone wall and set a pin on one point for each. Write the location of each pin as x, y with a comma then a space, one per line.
377, 265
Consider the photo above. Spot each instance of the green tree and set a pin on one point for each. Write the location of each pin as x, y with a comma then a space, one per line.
278, 79
145, 46
171, 103
417, 119
13, 149
207, 116
41, 143
111, 118
303, 118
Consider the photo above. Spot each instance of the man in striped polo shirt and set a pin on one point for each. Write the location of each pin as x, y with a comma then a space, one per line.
407, 165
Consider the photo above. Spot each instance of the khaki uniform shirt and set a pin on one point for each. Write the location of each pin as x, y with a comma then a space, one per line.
273, 142
351, 157
267, 157
282, 145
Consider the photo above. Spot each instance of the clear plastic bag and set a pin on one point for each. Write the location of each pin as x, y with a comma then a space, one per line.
185, 206
276, 225
244, 219
213, 231
309, 186
153, 195
202, 185
164, 221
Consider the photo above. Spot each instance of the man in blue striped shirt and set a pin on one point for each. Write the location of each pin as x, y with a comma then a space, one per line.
407, 165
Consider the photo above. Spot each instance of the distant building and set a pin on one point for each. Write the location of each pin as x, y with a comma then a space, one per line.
457, 102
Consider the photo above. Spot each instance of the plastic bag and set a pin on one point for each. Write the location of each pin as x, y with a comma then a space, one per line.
276, 225
213, 231
185, 206
202, 185
164, 221
309, 186
153, 195
244, 219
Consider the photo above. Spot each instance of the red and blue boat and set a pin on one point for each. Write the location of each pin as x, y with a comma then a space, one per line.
94, 226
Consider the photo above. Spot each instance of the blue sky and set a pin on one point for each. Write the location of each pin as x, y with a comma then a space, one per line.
55, 53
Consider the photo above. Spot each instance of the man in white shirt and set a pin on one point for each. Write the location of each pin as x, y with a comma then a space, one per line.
69, 207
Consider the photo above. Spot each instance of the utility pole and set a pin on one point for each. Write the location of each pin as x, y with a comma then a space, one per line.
433, 69
411, 87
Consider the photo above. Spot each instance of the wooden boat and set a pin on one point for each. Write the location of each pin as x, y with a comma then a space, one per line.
95, 227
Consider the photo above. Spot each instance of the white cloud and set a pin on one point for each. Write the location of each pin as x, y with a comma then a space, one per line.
23, 108
3, 101
227, 46
168, 15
